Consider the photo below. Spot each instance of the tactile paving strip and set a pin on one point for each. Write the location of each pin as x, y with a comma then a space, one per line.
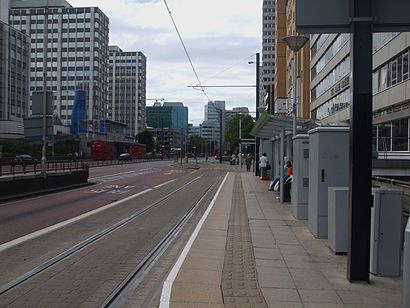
239, 279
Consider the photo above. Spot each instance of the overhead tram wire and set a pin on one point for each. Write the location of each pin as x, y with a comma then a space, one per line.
186, 51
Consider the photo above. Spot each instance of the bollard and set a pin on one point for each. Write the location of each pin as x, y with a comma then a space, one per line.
406, 267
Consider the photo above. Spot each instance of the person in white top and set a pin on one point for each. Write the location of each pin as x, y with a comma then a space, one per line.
263, 162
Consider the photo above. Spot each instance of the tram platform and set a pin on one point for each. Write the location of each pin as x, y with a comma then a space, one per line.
251, 252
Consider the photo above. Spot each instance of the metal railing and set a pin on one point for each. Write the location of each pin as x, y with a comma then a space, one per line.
8, 168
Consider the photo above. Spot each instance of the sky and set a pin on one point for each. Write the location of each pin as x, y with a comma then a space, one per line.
221, 37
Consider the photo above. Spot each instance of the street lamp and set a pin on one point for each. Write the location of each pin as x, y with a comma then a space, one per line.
295, 43
240, 141
257, 113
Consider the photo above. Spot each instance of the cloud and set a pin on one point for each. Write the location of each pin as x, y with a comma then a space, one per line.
217, 33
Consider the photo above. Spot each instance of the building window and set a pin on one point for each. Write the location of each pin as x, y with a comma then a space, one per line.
400, 135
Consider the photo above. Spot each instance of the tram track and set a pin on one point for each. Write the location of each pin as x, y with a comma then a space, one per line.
142, 266
135, 276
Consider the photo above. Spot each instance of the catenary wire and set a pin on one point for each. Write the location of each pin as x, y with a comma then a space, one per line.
186, 52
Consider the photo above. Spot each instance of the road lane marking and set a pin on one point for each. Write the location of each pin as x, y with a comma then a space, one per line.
160, 185
115, 174
167, 287
65, 223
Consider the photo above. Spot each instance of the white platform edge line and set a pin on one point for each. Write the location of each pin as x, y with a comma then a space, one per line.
65, 223
167, 287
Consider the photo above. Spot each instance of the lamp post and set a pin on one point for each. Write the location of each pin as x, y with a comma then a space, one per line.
44, 128
295, 43
256, 158
240, 141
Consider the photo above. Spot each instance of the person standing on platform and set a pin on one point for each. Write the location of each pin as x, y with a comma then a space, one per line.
248, 162
288, 183
263, 162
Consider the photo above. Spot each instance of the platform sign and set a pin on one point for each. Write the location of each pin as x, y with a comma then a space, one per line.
333, 16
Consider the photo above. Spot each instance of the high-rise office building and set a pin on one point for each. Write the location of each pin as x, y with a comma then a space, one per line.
77, 53
127, 89
268, 49
14, 77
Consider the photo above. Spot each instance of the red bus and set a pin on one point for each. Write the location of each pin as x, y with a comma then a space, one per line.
138, 150
106, 150
101, 150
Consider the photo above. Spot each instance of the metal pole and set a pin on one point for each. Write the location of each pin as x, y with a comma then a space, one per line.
43, 149
294, 105
257, 142
360, 162
240, 143
220, 136
180, 151
281, 156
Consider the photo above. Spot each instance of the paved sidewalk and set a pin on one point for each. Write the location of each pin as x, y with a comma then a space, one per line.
293, 268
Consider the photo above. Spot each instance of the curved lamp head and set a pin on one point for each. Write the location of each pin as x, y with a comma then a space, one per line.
295, 42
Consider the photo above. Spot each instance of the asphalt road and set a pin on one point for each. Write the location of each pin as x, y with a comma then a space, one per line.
112, 183
90, 275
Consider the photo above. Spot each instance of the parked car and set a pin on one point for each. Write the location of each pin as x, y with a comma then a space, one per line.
125, 156
24, 159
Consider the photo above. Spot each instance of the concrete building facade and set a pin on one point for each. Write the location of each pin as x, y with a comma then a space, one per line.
14, 77
302, 70
77, 53
331, 92
127, 89
280, 94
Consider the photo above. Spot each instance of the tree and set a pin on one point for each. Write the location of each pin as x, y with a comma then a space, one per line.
197, 144
146, 138
232, 130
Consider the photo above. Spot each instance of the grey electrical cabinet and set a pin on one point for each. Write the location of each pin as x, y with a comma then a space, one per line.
406, 267
328, 167
338, 212
385, 232
300, 182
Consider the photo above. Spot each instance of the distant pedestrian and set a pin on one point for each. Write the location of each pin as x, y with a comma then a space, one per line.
263, 162
288, 183
248, 161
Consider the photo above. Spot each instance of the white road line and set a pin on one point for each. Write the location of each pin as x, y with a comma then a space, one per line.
163, 184
167, 287
65, 223
110, 175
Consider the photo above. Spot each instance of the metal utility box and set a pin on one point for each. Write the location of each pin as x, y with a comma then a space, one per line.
300, 183
328, 167
338, 212
385, 232
406, 267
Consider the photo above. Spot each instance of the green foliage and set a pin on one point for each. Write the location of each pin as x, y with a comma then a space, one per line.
146, 138
232, 130
197, 144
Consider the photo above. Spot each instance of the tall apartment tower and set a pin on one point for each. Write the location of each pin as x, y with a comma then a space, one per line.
14, 76
268, 50
127, 89
77, 53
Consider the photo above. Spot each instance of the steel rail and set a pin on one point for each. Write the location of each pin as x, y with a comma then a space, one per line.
134, 278
87, 242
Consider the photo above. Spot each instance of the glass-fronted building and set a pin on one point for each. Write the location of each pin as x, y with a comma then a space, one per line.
127, 89
77, 53
169, 115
